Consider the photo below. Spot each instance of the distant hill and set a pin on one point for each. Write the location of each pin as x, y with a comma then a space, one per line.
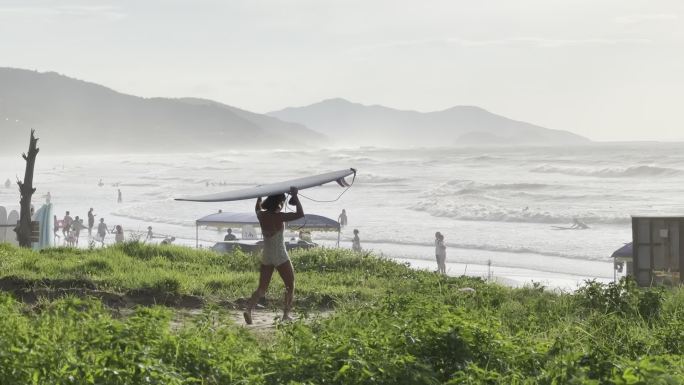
357, 124
75, 116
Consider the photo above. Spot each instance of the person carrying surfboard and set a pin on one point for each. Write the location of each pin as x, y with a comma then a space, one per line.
275, 257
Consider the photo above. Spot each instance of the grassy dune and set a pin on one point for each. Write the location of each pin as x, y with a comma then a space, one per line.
390, 325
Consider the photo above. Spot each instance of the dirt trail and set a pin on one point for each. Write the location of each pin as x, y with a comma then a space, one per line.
186, 307
264, 321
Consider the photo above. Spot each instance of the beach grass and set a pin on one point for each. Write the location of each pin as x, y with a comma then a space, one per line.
386, 324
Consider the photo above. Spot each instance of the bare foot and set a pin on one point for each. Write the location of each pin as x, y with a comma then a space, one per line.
248, 317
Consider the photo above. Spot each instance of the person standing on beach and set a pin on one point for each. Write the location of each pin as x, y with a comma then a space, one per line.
8, 184
150, 234
229, 236
342, 218
91, 222
119, 198
356, 241
440, 253
275, 256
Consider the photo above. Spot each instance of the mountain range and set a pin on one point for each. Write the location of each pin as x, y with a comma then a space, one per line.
357, 124
82, 117
75, 116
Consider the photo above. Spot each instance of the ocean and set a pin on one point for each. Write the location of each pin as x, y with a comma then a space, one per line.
503, 211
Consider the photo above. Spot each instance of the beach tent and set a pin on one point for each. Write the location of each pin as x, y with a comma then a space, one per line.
623, 252
310, 222
622, 257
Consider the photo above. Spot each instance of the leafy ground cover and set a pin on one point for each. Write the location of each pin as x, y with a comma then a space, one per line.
390, 324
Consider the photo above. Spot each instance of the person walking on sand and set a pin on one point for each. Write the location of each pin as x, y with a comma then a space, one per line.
356, 241
275, 254
55, 230
76, 227
342, 218
91, 222
66, 224
440, 253
102, 231
119, 198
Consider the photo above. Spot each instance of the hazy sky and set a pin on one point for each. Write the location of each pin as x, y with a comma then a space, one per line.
609, 70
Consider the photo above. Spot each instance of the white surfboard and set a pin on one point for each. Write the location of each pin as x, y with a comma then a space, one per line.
3, 221
10, 235
276, 188
44, 217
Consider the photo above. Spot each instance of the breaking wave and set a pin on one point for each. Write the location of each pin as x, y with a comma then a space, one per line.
374, 178
492, 213
635, 171
469, 187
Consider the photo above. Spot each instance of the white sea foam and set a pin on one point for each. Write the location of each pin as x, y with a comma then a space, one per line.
493, 213
616, 172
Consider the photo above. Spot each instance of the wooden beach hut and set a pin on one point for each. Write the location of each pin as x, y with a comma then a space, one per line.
658, 249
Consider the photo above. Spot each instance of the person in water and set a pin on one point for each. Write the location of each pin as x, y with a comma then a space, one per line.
578, 224
440, 253
342, 218
356, 241
275, 256
119, 234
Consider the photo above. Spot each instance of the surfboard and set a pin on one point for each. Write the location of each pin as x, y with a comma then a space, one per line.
10, 235
566, 228
44, 217
276, 188
3, 221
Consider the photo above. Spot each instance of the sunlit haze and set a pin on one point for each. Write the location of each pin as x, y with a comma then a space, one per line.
607, 70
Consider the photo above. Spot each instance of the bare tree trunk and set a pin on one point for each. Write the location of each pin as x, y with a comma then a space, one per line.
26, 190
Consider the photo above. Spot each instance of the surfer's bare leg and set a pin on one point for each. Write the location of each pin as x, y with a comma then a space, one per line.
286, 272
265, 274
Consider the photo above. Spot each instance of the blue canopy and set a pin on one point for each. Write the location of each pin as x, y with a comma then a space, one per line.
623, 252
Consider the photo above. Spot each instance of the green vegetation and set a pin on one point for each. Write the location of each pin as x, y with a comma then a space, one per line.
390, 325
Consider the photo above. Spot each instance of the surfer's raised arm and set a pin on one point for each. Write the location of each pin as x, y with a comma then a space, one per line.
287, 217
257, 207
